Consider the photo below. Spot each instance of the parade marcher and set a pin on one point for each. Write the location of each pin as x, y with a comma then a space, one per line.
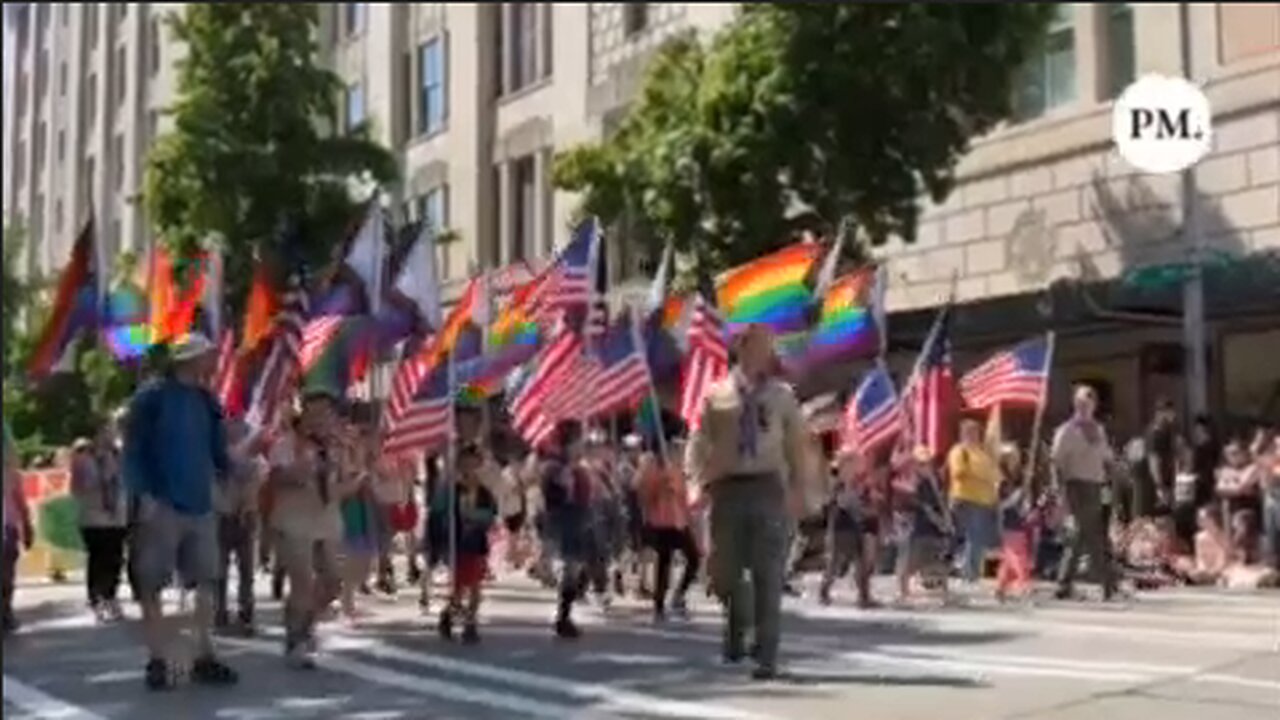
567, 492
1081, 455
640, 558
853, 529
474, 510
176, 450
1266, 460
1153, 486
359, 520
310, 482
18, 533
1016, 531
749, 453
923, 544
974, 487
664, 500
511, 503
237, 505
103, 503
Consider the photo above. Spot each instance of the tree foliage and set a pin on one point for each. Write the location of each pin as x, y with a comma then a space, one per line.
848, 110
250, 146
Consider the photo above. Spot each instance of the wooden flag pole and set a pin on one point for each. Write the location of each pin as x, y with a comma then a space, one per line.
1033, 454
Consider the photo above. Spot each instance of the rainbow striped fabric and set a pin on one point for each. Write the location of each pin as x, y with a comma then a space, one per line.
773, 290
846, 325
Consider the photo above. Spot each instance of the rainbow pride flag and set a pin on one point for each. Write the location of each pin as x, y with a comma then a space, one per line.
773, 290
128, 330
177, 287
846, 324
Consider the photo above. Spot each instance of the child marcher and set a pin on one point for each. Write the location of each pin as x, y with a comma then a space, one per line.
359, 518
851, 530
1015, 529
475, 510
923, 548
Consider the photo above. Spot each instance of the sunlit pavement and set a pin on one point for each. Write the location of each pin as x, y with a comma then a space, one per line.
1167, 655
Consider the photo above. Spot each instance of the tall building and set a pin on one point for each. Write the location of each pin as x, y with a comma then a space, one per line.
1045, 223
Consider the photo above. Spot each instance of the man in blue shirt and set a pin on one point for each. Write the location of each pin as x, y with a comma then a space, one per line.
175, 450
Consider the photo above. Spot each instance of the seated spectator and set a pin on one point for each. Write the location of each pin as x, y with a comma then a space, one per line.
1245, 572
1237, 483
1266, 464
1212, 552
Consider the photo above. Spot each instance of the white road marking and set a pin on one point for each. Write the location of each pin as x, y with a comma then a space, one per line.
42, 706
613, 699
521, 706
972, 665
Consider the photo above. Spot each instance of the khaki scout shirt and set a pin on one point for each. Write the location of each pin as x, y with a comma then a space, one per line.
1076, 458
299, 512
713, 452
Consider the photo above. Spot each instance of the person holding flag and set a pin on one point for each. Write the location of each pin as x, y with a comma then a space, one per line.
749, 452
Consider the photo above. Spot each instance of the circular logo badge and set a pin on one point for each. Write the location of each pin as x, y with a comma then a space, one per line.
1162, 124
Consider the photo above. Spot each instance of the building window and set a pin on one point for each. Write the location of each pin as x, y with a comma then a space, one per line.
57, 217
1120, 41
524, 19
62, 146
42, 75
433, 209
153, 125
39, 149
91, 24
62, 79
122, 75
117, 152
153, 46
42, 21
635, 17
353, 18
355, 106
91, 101
1049, 80
20, 164
1246, 30
525, 198
432, 107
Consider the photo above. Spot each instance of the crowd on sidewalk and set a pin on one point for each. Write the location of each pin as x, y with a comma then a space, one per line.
180, 493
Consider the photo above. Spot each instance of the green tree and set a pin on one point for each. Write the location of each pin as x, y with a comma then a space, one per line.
250, 145
850, 110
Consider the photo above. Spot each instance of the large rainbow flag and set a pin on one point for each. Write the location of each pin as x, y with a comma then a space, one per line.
773, 290
177, 287
76, 307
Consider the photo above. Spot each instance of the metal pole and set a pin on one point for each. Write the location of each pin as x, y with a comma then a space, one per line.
1193, 323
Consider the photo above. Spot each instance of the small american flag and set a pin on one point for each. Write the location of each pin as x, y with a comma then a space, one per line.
872, 416
929, 399
620, 375
408, 378
570, 281
533, 414
283, 364
1016, 377
427, 421
224, 374
316, 336
706, 362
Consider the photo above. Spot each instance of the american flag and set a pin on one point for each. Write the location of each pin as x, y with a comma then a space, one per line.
706, 362
872, 416
283, 364
224, 374
570, 280
427, 422
621, 372
533, 412
316, 336
1018, 376
930, 397
408, 378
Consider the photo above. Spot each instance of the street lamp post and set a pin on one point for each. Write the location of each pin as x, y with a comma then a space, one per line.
1193, 321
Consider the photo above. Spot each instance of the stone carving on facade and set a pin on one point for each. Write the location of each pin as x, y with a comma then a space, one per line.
1030, 247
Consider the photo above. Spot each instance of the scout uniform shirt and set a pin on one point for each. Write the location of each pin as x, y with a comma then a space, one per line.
300, 511
774, 442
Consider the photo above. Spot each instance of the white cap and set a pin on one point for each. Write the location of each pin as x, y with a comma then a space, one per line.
631, 441
194, 347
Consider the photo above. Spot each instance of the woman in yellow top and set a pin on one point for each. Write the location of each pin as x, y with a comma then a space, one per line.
975, 480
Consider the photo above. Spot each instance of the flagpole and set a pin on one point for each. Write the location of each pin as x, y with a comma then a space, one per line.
1033, 454
660, 430
450, 474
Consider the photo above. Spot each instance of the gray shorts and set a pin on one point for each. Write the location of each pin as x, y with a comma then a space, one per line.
169, 542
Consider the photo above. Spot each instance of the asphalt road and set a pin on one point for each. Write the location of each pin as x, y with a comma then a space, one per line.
1165, 655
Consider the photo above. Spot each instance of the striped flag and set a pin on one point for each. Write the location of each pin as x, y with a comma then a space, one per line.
1017, 376
427, 422
571, 279
930, 397
872, 416
621, 373
316, 336
706, 361
224, 374
283, 366
533, 415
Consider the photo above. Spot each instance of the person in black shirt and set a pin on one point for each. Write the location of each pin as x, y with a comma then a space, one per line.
1153, 486
475, 511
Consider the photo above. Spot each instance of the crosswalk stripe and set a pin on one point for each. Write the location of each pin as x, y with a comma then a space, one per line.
454, 692
613, 699
43, 706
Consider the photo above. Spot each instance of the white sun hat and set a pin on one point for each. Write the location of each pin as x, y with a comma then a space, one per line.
194, 347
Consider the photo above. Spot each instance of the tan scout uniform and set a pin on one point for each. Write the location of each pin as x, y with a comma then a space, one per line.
753, 473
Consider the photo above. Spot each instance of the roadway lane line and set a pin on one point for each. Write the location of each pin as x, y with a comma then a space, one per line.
521, 706
611, 699
42, 706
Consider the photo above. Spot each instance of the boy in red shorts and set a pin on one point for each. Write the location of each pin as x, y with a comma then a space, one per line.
474, 512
